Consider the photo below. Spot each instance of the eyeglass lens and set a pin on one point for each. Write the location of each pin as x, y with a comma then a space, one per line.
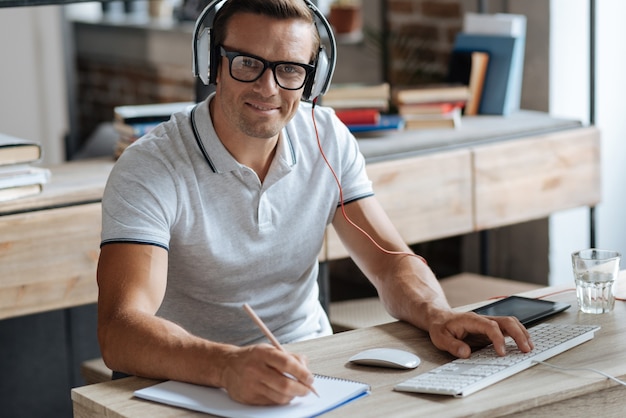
291, 76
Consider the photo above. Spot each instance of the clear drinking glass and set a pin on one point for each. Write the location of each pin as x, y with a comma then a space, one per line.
595, 272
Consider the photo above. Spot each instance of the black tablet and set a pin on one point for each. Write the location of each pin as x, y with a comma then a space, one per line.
527, 310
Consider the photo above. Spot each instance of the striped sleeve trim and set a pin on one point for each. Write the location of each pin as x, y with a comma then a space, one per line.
130, 241
355, 198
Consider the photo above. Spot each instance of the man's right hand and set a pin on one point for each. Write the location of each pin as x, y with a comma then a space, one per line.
263, 375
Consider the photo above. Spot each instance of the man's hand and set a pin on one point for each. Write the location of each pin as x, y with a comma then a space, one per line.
455, 332
264, 375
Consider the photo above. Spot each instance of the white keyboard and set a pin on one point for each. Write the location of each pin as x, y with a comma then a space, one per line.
462, 377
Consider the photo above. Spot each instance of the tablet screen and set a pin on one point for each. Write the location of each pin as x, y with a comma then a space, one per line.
525, 309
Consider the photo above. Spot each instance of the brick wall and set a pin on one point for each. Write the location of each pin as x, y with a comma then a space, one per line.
103, 84
421, 33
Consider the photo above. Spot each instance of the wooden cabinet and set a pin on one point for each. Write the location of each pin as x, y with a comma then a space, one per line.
493, 171
490, 173
49, 244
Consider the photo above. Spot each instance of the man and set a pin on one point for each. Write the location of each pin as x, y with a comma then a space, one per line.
227, 204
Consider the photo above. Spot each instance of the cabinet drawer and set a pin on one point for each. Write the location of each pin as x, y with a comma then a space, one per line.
48, 259
530, 178
426, 197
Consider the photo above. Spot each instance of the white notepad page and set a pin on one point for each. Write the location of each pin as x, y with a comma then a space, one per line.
333, 392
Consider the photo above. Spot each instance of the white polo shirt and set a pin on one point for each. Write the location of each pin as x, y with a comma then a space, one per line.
232, 239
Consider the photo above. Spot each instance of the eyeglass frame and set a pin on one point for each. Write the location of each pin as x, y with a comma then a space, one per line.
231, 55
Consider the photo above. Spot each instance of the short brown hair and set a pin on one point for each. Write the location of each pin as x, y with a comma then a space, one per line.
278, 9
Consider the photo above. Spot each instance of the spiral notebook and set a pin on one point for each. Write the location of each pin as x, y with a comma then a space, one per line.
334, 392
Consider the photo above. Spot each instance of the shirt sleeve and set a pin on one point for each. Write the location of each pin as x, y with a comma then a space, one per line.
139, 201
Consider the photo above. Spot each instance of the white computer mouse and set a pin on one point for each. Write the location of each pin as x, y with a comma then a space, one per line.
386, 357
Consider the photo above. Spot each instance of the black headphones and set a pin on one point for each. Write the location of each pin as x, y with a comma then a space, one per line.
205, 52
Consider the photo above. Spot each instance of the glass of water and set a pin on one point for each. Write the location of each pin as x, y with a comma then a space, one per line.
595, 272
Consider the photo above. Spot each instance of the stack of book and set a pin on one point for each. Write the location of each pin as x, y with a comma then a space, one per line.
362, 107
353, 96
502, 36
131, 122
18, 177
431, 107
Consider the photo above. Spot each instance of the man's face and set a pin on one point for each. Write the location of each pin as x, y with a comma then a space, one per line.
261, 108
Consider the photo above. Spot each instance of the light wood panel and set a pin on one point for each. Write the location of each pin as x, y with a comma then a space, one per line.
530, 178
426, 197
48, 259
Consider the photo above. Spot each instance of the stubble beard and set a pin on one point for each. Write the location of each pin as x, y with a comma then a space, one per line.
256, 129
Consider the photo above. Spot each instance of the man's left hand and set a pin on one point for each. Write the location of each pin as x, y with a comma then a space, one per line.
453, 332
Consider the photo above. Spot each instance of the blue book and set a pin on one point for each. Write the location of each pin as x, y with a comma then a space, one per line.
503, 81
385, 123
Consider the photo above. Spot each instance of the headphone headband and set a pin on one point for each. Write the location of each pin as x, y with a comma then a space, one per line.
205, 58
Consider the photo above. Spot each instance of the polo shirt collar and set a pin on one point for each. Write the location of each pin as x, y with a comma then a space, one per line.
216, 154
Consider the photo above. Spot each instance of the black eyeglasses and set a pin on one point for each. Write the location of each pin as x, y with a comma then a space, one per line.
249, 68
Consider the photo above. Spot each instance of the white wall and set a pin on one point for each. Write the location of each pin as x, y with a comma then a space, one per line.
569, 97
610, 117
33, 99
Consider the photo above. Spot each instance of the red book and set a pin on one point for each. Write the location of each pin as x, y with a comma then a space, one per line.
358, 116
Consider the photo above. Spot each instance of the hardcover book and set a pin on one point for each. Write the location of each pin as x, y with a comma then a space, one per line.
386, 123
431, 94
503, 37
502, 86
17, 150
358, 116
18, 192
451, 119
469, 68
22, 175
157, 112
357, 91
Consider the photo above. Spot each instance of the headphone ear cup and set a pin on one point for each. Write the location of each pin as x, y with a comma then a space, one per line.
317, 85
214, 60
203, 56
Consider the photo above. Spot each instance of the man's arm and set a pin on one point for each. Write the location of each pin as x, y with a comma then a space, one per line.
132, 279
408, 288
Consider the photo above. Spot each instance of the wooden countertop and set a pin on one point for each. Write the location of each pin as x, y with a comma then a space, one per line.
538, 391
474, 131
71, 183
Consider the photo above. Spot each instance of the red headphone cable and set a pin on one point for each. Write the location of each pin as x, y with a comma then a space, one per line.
343, 210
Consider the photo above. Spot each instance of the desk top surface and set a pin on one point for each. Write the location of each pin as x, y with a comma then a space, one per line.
534, 387
72, 183
474, 131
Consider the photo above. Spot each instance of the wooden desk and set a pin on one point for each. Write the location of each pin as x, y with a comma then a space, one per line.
538, 391
490, 172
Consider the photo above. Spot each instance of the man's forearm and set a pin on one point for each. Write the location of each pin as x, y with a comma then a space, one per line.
144, 345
